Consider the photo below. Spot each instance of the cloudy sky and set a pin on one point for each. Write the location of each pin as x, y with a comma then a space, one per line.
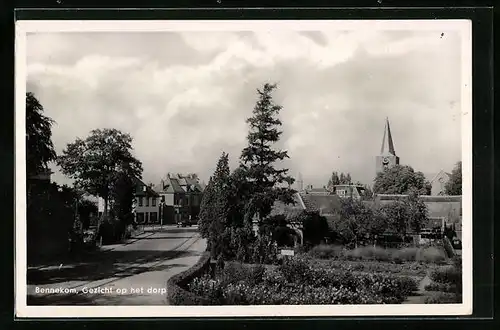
184, 97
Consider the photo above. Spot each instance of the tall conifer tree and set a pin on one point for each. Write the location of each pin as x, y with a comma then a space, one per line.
266, 183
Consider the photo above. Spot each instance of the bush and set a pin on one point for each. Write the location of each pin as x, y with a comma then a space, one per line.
324, 251
295, 270
431, 255
370, 252
447, 275
264, 250
442, 287
405, 254
444, 298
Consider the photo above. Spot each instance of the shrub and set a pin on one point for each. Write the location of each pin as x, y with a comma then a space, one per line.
431, 255
324, 251
370, 252
405, 254
442, 287
295, 270
264, 250
444, 298
447, 275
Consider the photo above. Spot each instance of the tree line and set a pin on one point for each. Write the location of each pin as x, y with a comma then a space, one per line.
100, 165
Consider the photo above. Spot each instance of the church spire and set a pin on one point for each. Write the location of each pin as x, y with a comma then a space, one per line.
387, 143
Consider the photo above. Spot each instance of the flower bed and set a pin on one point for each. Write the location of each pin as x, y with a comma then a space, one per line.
295, 282
446, 284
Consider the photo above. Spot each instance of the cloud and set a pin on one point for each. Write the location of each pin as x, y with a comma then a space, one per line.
184, 97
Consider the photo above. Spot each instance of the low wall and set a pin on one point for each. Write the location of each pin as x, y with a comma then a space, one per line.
176, 292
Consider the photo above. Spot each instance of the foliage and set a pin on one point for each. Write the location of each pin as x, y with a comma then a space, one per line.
39, 147
444, 298
408, 214
337, 179
448, 281
429, 254
122, 194
447, 275
401, 179
358, 221
176, 285
295, 282
315, 228
454, 184
96, 162
410, 268
215, 213
265, 184
206, 211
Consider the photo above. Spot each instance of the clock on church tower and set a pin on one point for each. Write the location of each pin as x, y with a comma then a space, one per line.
387, 157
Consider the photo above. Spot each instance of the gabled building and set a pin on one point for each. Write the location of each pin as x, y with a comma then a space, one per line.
146, 203
180, 198
438, 182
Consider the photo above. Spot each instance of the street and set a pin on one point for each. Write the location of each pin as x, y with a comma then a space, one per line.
134, 273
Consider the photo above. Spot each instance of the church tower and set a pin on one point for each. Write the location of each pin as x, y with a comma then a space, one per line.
387, 157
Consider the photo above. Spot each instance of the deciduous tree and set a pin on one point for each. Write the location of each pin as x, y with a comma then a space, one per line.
39, 147
454, 184
401, 179
97, 162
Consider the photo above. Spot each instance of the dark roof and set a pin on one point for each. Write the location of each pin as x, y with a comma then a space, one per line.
288, 210
179, 185
139, 189
326, 204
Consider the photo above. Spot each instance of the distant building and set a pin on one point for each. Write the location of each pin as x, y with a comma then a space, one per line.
438, 182
387, 157
349, 191
146, 204
180, 197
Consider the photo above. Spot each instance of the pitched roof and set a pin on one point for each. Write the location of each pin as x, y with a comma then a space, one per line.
387, 143
179, 185
288, 210
140, 186
325, 204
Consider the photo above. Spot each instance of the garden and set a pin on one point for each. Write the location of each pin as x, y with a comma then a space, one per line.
373, 256
364, 275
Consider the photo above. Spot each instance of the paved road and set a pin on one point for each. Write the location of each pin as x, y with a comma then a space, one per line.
127, 274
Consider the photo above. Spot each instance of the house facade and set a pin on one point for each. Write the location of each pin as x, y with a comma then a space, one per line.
180, 198
146, 204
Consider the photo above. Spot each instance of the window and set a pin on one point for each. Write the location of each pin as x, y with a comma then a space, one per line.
140, 217
147, 217
147, 201
153, 201
153, 217
140, 201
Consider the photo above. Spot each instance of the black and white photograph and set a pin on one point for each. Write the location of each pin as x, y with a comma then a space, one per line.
243, 168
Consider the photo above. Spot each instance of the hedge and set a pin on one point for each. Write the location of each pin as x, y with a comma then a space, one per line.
176, 292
